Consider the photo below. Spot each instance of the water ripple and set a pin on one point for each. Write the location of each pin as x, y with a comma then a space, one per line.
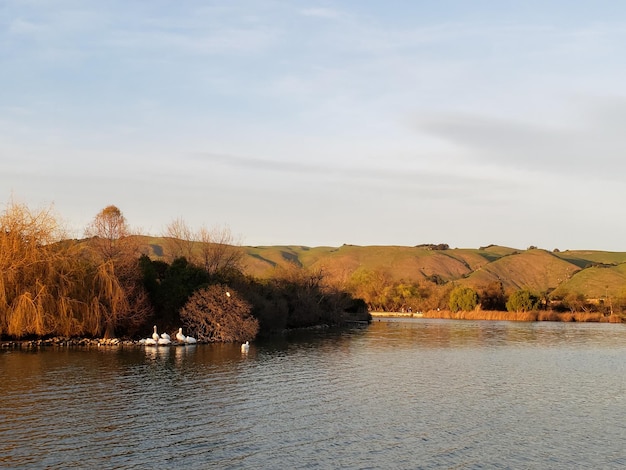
406, 394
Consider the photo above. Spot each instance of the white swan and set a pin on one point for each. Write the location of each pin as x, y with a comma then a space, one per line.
164, 341
155, 335
245, 347
180, 336
166, 336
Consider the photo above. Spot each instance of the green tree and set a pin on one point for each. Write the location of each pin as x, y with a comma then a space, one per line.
463, 298
522, 301
169, 286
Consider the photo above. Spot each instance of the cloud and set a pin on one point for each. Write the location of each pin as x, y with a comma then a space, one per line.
587, 147
404, 178
226, 40
321, 13
20, 27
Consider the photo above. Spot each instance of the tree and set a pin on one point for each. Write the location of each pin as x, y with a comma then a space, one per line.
575, 302
371, 286
121, 298
492, 296
219, 253
215, 250
522, 301
219, 314
45, 282
108, 228
179, 240
27, 262
169, 286
463, 298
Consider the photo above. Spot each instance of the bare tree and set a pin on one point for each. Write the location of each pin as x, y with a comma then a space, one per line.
215, 250
219, 251
179, 240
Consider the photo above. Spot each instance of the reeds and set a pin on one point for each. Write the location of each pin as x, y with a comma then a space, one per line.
532, 316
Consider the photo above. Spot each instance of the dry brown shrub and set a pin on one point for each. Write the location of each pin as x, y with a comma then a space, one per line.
218, 314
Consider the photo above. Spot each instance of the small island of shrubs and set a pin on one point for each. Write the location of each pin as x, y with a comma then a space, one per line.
103, 286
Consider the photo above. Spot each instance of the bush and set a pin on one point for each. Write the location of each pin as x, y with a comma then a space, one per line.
522, 301
219, 314
463, 298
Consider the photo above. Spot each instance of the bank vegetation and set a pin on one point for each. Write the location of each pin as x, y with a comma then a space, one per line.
116, 282
105, 285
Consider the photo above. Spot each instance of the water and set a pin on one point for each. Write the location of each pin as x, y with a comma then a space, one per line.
397, 394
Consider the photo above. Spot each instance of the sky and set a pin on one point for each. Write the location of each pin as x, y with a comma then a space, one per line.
320, 123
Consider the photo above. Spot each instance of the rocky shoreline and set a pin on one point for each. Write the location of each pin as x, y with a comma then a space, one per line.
65, 342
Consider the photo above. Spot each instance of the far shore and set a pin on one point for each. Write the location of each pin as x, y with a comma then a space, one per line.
397, 314
537, 315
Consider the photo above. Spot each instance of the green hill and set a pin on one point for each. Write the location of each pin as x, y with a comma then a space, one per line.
593, 274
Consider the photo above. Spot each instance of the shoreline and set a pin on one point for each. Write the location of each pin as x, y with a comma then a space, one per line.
61, 341
397, 314
497, 315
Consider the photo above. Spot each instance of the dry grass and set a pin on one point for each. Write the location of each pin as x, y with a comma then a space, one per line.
523, 316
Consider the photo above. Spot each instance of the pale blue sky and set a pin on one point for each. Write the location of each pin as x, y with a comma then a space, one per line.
321, 122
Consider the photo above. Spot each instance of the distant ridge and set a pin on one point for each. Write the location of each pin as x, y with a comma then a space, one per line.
592, 273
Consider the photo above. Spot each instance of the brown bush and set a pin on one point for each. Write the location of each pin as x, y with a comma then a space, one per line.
218, 314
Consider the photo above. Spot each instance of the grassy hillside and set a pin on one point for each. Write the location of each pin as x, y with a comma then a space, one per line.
537, 270
593, 274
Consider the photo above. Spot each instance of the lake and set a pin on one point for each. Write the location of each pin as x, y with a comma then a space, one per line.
399, 393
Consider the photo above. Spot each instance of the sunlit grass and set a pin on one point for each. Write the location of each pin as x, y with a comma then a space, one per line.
547, 315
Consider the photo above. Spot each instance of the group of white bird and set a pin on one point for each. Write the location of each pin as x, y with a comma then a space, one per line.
164, 339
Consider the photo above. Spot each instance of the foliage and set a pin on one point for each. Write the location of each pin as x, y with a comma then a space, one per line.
108, 228
169, 286
218, 314
492, 296
522, 300
309, 301
118, 274
432, 246
52, 287
463, 298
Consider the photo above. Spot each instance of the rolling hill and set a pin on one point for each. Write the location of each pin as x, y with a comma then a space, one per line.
594, 274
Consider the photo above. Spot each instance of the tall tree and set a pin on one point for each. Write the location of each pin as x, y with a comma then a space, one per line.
121, 297
109, 228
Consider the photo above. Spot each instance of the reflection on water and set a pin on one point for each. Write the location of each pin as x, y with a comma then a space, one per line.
398, 394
